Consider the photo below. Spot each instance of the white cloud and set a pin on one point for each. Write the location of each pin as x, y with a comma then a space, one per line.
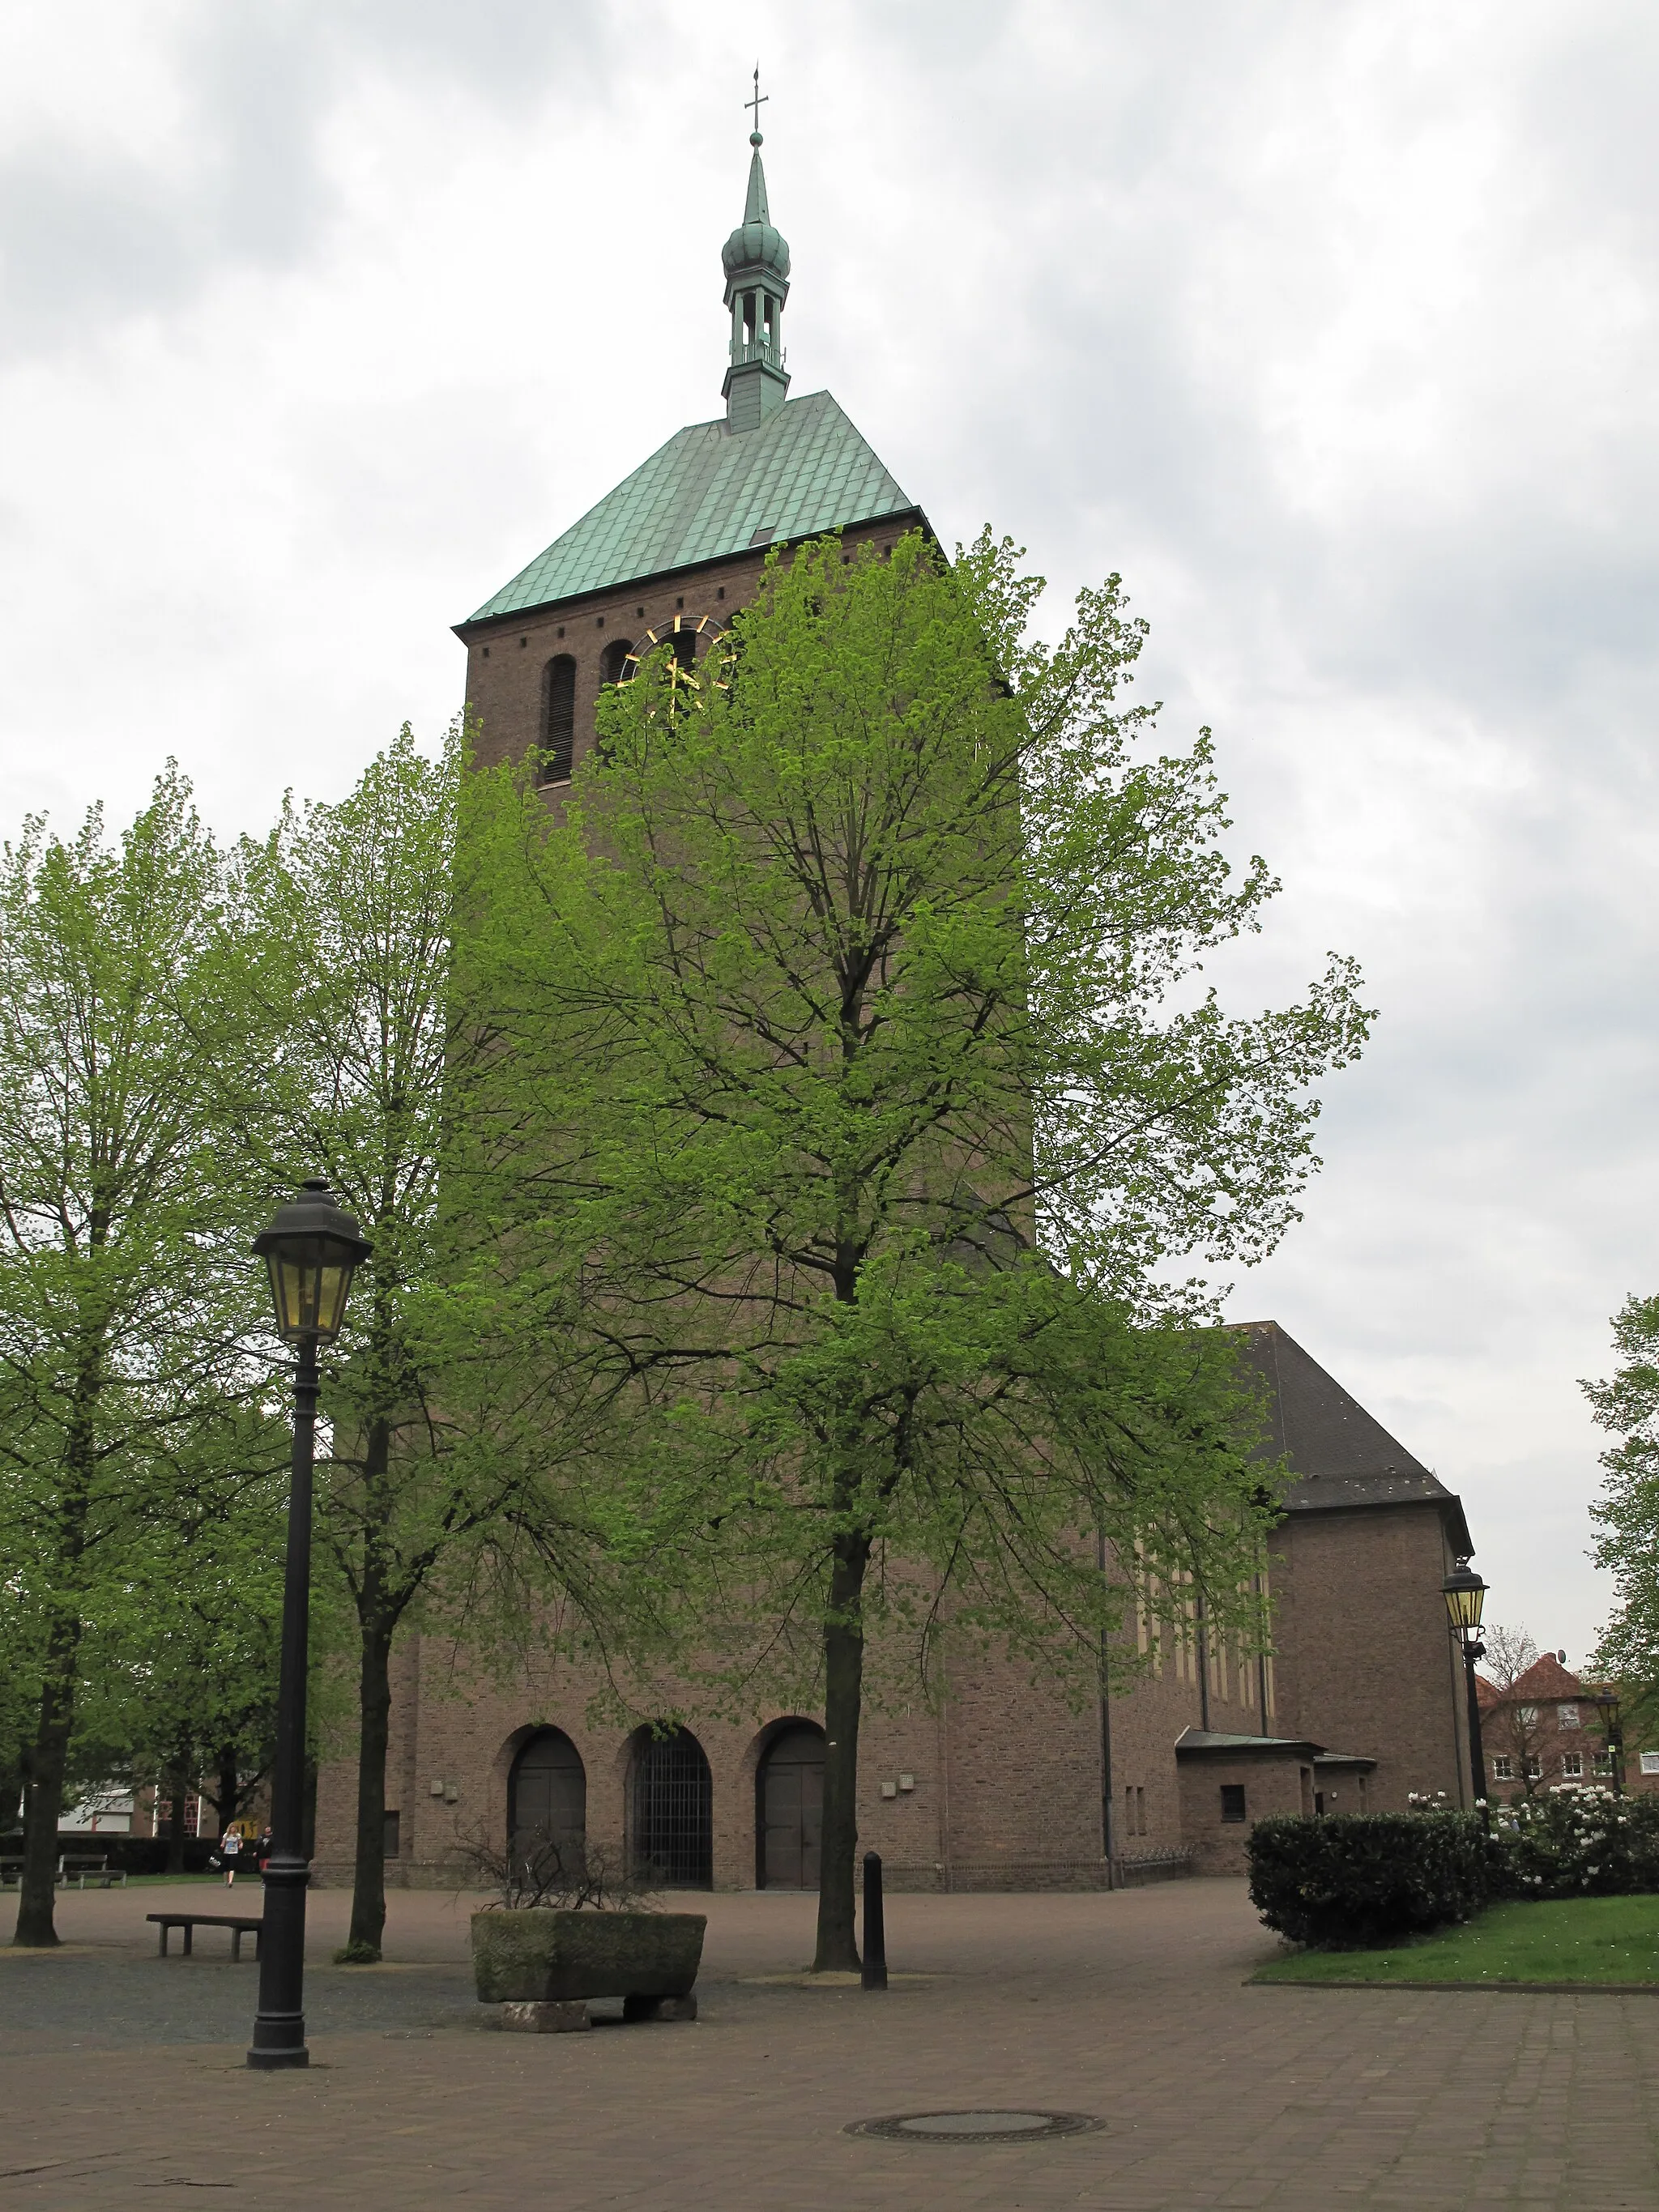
1332, 328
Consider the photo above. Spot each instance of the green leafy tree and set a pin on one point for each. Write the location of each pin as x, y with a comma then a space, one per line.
887, 1093
123, 1297
1627, 1513
452, 1482
179, 1681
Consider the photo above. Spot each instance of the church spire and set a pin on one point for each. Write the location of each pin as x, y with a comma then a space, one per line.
756, 262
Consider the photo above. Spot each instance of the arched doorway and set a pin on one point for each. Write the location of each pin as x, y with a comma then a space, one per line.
671, 1812
547, 1796
789, 1808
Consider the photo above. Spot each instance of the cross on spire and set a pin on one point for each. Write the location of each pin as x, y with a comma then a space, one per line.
759, 101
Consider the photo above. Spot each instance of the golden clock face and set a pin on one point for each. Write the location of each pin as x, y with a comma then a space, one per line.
692, 660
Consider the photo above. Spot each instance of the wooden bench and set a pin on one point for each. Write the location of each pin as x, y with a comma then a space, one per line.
189, 1921
11, 1873
76, 1870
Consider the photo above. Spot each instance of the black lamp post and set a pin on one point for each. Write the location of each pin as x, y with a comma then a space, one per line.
313, 1249
1466, 1595
1613, 1733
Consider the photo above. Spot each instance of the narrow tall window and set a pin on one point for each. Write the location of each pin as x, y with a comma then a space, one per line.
1232, 1801
558, 719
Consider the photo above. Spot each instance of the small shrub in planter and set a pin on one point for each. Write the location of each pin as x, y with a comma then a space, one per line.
1579, 1840
569, 1922
1346, 1882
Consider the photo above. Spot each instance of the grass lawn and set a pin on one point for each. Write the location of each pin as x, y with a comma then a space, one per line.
1580, 1939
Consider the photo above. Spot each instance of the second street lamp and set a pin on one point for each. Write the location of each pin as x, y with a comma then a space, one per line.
312, 1249
1613, 1735
1465, 1594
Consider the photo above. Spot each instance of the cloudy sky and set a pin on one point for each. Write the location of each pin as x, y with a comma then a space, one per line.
1331, 326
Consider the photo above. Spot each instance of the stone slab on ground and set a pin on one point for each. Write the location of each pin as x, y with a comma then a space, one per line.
539, 2016
1130, 2008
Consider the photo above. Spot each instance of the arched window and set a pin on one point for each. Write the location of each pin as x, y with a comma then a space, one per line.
558, 719
613, 667
789, 1808
547, 1796
671, 1811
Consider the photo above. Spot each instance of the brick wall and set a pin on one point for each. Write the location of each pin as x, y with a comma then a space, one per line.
1271, 1783
1366, 1662
507, 660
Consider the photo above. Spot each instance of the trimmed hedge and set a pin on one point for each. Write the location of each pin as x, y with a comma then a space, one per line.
1345, 1882
136, 1854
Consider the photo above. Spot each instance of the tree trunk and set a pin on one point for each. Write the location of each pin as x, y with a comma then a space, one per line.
48, 1757
178, 1791
230, 1786
843, 1670
368, 1878
377, 1619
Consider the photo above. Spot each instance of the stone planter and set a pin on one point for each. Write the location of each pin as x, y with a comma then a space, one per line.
544, 1956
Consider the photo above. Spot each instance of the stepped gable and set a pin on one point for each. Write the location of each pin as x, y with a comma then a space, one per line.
1340, 1457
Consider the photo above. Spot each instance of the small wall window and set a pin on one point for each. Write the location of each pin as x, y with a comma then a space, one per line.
1232, 1802
1572, 1764
1650, 1762
1567, 1716
1503, 1768
1535, 1770
558, 719
390, 1833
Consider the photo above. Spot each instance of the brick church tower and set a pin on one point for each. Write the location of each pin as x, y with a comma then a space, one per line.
677, 547
996, 1781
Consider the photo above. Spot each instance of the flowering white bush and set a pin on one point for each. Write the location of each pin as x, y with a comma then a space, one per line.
1579, 1839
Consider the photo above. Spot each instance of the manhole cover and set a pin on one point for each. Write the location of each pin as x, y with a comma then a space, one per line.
980, 2124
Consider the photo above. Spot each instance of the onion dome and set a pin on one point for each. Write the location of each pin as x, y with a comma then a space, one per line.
756, 244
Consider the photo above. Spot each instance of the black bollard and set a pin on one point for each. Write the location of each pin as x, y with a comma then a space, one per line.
874, 1976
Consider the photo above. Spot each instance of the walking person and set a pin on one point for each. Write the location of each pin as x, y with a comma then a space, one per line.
230, 1849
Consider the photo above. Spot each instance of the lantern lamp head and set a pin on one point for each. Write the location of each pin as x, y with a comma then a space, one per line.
1608, 1701
312, 1249
1465, 1594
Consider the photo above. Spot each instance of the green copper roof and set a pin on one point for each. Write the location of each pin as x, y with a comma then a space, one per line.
711, 491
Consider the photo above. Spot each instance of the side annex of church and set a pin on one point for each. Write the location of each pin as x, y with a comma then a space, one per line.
998, 1782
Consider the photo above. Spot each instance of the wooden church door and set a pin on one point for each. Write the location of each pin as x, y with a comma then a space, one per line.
792, 1809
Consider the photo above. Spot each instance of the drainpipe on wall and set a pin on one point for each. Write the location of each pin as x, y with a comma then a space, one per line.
1262, 1669
1107, 1788
945, 1780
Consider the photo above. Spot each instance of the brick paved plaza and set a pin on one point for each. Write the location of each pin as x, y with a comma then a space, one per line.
1129, 2007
